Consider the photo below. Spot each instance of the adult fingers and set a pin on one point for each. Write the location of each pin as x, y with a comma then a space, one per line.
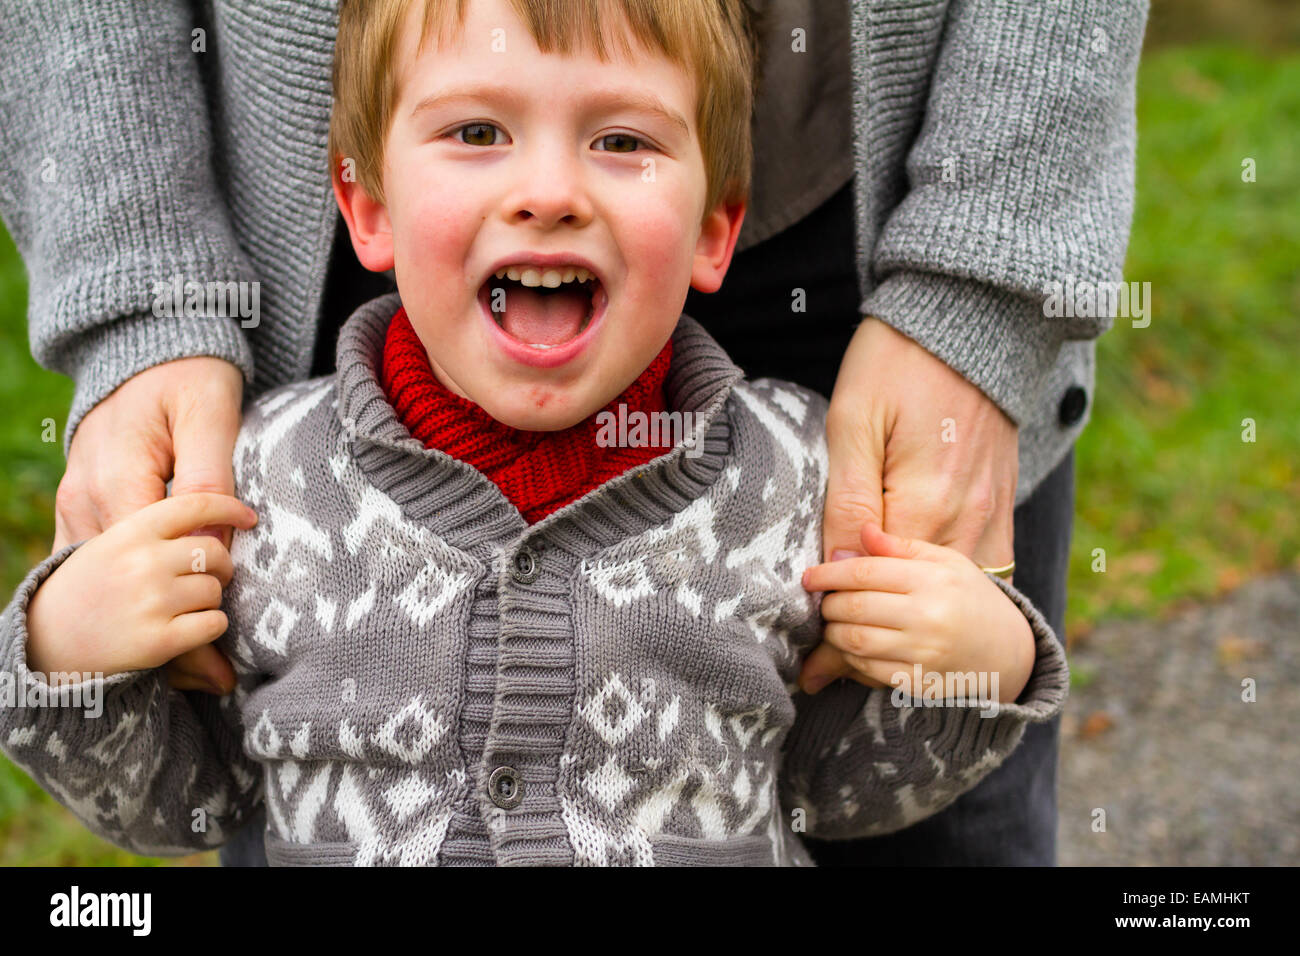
204, 427
855, 440
111, 473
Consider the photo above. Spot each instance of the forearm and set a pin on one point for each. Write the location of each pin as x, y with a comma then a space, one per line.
862, 762
1021, 176
106, 161
152, 770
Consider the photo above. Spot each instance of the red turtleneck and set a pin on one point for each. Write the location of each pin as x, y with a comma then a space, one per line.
539, 472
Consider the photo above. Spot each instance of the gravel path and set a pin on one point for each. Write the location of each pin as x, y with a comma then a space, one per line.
1159, 737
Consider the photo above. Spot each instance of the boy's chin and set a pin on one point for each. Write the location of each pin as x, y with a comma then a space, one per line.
528, 417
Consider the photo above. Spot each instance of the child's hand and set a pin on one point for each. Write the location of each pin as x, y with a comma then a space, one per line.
138, 594
910, 603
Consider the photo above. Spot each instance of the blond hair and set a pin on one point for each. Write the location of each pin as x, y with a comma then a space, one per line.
714, 40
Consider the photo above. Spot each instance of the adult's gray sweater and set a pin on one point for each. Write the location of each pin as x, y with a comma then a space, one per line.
992, 141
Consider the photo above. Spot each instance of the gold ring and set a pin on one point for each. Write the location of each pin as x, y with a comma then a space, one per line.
1003, 572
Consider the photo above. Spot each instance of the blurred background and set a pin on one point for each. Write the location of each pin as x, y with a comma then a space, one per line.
1162, 761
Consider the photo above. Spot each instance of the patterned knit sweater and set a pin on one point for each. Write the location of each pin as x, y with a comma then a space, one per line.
424, 678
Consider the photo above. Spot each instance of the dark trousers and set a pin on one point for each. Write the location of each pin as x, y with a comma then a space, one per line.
1010, 818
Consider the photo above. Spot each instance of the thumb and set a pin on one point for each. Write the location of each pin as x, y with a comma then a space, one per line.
825, 663
854, 492
876, 541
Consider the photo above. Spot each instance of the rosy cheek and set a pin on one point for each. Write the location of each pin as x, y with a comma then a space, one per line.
653, 239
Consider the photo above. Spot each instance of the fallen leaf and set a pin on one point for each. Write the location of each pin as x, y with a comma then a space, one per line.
1096, 724
1229, 579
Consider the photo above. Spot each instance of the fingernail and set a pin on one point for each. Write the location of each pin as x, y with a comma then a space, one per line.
839, 554
216, 688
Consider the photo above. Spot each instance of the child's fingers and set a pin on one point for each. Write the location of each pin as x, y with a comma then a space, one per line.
181, 514
193, 592
898, 575
200, 555
203, 668
879, 542
185, 632
882, 672
826, 663
865, 640
882, 608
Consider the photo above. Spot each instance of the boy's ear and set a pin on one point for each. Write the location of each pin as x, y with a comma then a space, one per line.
367, 220
718, 236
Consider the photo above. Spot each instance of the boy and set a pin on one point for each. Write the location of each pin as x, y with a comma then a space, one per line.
466, 629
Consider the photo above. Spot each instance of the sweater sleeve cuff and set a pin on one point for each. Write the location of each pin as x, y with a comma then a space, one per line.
999, 341
1049, 683
105, 357
33, 704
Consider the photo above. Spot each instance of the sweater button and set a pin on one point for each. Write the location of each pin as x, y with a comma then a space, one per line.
525, 568
506, 787
1072, 405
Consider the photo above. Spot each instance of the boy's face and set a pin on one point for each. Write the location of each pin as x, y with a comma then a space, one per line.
501, 156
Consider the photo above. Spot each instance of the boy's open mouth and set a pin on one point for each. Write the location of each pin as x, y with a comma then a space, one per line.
542, 306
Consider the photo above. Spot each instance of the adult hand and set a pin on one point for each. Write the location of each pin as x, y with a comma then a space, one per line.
918, 450
176, 420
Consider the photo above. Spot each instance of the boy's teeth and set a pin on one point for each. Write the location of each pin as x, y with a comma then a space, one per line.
548, 278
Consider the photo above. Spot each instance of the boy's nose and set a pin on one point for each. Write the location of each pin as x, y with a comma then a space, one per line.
552, 191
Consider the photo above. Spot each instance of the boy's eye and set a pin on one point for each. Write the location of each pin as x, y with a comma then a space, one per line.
619, 143
478, 134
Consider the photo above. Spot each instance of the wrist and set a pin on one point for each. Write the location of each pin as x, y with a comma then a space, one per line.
1023, 651
42, 657
996, 339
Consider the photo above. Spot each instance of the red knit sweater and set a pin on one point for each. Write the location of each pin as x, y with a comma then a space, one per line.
539, 472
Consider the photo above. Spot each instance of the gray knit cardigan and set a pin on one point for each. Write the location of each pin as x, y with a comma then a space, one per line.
424, 678
993, 152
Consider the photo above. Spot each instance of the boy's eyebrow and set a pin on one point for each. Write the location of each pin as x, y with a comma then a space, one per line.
600, 99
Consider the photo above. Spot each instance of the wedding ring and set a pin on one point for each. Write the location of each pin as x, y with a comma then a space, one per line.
1002, 572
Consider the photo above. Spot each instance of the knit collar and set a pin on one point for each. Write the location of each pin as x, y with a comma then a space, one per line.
462, 506
539, 471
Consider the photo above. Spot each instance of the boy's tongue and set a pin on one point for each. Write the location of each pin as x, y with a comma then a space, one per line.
544, 318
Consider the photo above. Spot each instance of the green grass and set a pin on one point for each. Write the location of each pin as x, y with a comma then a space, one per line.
1182, 507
